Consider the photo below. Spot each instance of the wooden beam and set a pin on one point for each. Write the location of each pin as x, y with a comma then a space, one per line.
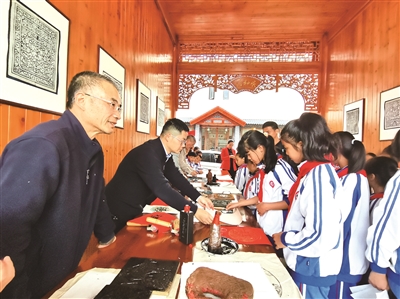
249, 38
250, 68
346, 19
170, 31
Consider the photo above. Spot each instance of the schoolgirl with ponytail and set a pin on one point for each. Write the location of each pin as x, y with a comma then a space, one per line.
275, 180
351, 160
312, 236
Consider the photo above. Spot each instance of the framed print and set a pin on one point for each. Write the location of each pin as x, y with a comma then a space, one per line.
34, 45
389, 113
113, 70
143, 108
353, 119
160, 115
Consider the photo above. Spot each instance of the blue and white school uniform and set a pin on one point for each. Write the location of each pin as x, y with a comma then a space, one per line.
313, 233
383, 239
356, 223
374, 201
242, 175
276, 186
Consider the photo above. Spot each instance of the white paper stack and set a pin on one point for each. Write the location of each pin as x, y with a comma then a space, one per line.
368, 291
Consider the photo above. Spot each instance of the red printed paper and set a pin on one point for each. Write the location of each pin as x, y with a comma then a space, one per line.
245, 235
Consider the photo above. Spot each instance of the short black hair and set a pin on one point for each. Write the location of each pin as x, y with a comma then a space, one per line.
271, 124
192, 154
174, 124
229, 141
84, 80
382, 167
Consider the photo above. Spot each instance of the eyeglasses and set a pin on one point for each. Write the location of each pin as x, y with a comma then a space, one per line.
113, 105
183, 142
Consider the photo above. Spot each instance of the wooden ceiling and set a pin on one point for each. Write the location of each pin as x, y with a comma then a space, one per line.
256, 20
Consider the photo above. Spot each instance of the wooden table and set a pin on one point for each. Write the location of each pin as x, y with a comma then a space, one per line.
138, 242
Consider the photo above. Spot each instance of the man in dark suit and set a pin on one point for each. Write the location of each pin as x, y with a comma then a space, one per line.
148, 172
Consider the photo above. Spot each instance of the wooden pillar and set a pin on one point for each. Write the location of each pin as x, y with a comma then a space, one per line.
323, 73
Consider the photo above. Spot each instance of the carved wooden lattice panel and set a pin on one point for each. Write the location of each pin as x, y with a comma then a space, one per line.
279, 51
305, 84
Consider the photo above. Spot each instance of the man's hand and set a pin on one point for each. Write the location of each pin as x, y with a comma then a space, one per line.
193, 173
7, 272
205, 202
203, 216
103, 245
277, 240
378, 280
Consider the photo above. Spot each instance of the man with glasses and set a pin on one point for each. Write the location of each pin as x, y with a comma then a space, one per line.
148, 172
52, 189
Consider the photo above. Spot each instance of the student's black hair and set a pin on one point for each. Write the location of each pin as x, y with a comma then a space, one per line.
271, 124
352, 149
371, 154
229, 141
395, 147
382, 167
241, 149
174, 124
192, 154
317, 140
257, 138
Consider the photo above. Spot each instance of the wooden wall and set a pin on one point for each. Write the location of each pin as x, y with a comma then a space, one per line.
363, 60
133, 33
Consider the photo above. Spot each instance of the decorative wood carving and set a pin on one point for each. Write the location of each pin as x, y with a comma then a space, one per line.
279, 51
305, 84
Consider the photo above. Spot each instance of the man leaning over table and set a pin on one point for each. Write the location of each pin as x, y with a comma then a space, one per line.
52, 189
148, 172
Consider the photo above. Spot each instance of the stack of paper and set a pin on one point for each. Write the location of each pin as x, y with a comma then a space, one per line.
368, 291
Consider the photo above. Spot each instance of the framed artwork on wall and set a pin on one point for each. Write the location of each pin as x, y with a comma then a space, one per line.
353, 119
113, 70
143, 108
389, 113
34, 51
160, 115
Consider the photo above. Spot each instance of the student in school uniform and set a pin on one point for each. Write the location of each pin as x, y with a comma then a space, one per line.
383, 239
252, 187
312, 236
351, 160
275, 180
379, 171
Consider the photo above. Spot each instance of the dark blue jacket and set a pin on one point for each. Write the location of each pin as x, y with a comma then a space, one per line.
51, 200
142, 176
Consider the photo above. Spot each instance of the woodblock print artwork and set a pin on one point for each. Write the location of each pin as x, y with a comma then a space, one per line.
160, 115
389, 117
353, 118
33, 49
30, 94
392, 114
112, 69
143, 108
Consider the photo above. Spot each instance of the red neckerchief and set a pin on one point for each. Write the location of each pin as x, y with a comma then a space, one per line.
376, 196
260, 174
304, 169
345, 170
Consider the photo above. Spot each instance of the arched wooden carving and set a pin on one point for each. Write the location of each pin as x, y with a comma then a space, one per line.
305, 84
